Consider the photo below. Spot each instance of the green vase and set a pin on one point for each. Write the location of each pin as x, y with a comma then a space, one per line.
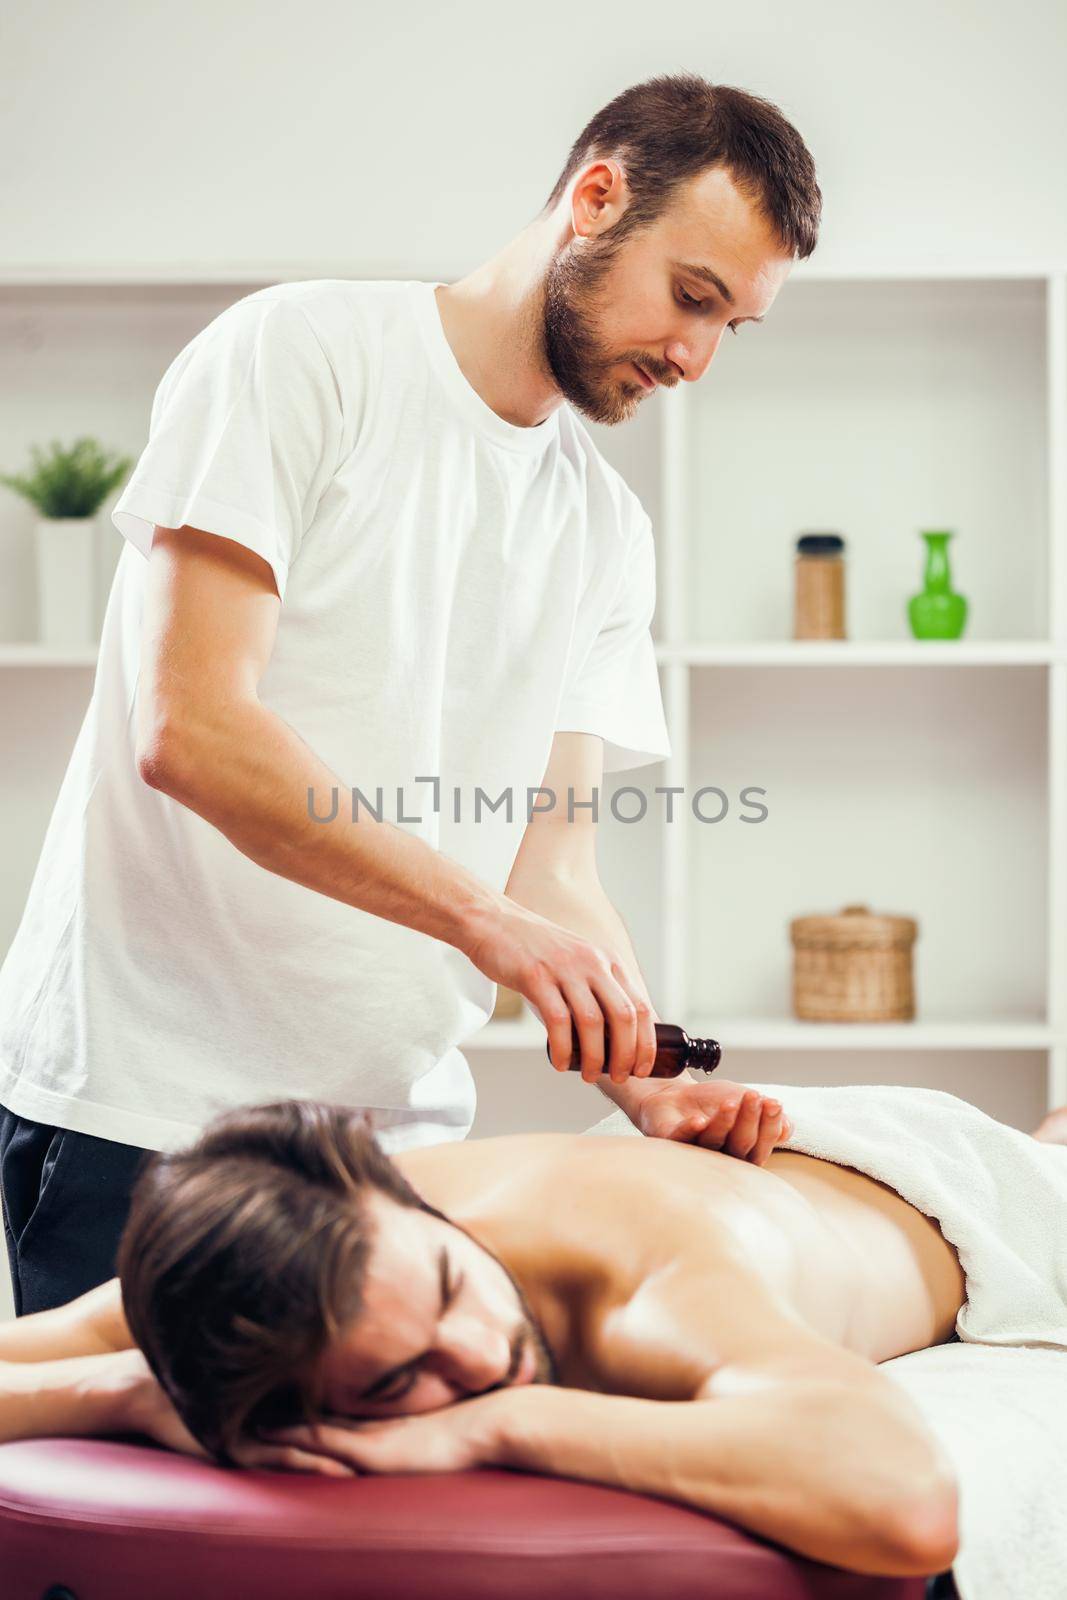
937, 612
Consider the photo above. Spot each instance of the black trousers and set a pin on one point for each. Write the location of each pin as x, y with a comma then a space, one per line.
65, 1200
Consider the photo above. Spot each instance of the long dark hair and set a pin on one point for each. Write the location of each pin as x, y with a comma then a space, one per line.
243, 1256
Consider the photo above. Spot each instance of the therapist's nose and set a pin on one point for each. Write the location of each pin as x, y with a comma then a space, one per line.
470, 1355
691, 357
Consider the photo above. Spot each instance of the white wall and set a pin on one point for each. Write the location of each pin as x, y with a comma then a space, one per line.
418, 137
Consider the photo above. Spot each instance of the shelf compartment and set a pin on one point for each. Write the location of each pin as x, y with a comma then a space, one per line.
873, 409
917, 793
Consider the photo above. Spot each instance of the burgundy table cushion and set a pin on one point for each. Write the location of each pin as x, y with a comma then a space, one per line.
110, 1519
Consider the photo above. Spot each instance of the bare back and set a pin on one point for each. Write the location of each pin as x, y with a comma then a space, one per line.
652, 1257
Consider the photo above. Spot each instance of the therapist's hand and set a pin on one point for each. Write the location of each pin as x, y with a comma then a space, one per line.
565, 976
719, 1115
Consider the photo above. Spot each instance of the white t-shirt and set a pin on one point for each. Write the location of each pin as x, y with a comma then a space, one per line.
454, 590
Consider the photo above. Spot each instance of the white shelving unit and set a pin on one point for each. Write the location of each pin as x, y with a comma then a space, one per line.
923, 778
946, 362
769, 1033
848, 653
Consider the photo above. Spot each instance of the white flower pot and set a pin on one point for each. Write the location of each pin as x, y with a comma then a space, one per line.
65, 568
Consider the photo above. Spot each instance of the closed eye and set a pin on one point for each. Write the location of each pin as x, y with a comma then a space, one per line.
687, 300
395, 1385
398, 1388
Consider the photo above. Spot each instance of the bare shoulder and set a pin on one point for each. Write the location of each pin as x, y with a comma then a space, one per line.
460, 1167
92, 1324
98, 1314
102, 1311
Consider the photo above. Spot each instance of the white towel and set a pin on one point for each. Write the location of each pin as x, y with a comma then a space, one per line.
998, 1399
1001, 1415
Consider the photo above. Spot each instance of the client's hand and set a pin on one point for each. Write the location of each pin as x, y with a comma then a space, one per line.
719, 1115
146, 1408
453, 1438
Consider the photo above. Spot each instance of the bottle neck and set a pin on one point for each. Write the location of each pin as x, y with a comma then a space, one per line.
703, 1053
936, 575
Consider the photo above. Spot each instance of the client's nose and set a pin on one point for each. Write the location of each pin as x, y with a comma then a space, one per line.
470, 1355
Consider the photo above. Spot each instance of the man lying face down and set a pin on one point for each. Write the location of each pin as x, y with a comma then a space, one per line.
548, 1302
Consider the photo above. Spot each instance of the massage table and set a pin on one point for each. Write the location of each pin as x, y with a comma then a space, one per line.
123, 1519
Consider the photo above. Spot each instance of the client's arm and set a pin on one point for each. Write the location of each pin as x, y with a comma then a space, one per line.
87, 1394
69, 1370
835, 1466
76, 1370
791, 1436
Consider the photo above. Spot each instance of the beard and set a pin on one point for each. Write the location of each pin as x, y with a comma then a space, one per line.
580, 364
529, 1333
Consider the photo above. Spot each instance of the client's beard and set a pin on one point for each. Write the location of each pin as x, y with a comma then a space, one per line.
529, 1333
529, 1330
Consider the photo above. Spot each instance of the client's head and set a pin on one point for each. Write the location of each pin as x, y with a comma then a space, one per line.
283, 1266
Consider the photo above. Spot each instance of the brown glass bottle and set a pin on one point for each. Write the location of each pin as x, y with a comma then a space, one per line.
675, 1051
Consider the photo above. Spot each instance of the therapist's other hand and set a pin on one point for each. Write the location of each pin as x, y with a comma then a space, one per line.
720, 1116
565, 977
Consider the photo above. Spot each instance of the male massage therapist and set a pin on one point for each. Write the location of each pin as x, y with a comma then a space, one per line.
370, 548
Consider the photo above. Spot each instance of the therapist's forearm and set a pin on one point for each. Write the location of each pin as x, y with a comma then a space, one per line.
248, 773
579, 902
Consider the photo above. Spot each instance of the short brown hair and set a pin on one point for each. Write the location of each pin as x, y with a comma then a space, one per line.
670, 128
244, 1254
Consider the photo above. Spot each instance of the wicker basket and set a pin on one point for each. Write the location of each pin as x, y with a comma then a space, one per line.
853, 967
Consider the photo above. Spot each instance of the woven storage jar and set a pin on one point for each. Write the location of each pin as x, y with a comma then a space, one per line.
853, 967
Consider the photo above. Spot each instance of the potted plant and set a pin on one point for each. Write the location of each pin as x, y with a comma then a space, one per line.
67, 487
